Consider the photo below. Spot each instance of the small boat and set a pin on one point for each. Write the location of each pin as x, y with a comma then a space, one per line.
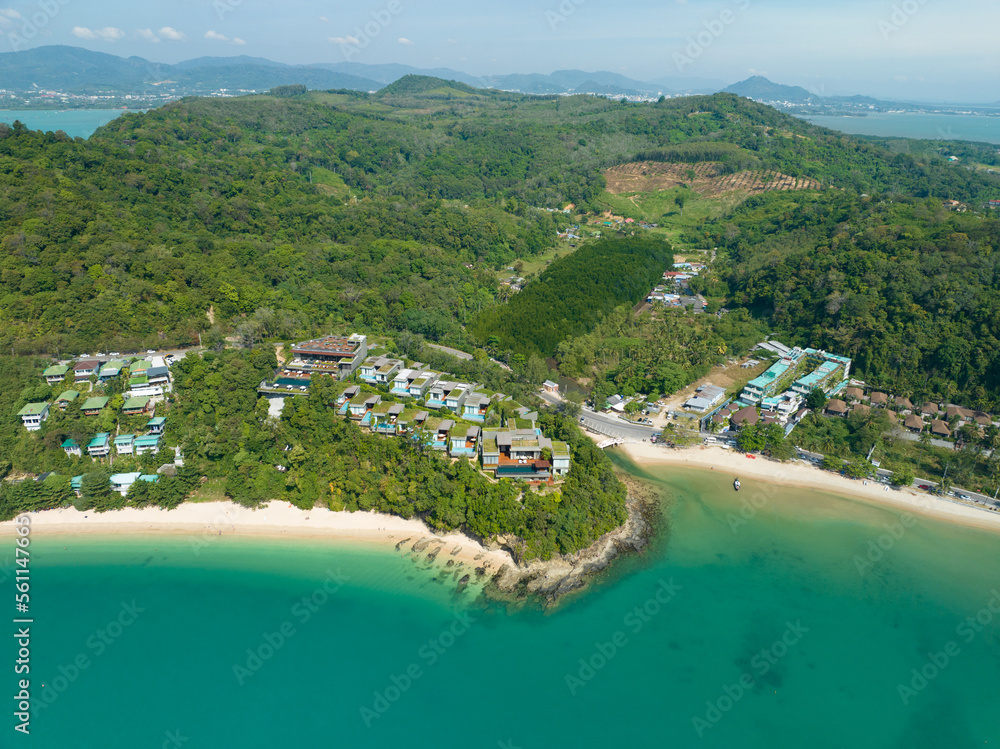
736, 485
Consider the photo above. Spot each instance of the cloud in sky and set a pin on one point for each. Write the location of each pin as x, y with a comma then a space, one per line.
237, 40
107, 34
217, 36
7, 17
147, 35
405, 42
345, 40
168, 32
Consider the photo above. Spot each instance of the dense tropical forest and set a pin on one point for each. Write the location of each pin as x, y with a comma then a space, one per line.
386, 211
240, 223
908, 288
574, 294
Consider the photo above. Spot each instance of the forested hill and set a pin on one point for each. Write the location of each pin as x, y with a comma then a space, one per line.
574, 294
287, 216
908, 288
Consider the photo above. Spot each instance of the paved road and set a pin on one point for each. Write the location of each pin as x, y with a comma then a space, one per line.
974, 498
106, 355
612, 426
453, 351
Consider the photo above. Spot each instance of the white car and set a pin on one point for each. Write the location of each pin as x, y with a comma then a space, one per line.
150, 351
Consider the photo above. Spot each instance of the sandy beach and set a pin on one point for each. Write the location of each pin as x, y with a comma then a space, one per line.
275, 520
800, 474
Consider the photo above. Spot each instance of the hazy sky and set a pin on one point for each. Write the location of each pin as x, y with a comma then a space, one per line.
918, 49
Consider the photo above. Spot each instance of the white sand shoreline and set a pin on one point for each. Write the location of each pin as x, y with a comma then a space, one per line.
800, 474
276, 520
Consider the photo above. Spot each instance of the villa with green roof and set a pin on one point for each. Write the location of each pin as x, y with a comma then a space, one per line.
93, 406
125, 444
157, 425
464, 444
561, 459
379, 370
518, 452
122, 482
67, 397
100, 446
55, 374
385, 418
72, 448
136, 405
360, 406
33, 414
148, 444
110, 370
476, 406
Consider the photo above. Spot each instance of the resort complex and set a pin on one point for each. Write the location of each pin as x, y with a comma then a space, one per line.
140, 384
393, 398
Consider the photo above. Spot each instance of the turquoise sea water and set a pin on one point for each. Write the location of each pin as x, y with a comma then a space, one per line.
748, 624
926, 126
76, 123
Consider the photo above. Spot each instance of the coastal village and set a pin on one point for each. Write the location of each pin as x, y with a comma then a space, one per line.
395, 398
123, 391
381, 394
391, 397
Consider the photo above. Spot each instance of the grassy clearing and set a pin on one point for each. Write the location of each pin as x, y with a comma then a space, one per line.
213, 490
533, 266
661, 208
331, 100
330, 183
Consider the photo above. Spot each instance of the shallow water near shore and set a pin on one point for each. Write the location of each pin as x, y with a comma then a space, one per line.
788, 620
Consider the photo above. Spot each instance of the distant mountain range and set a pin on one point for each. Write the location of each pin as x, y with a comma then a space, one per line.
761, 89
80, 71
77, 71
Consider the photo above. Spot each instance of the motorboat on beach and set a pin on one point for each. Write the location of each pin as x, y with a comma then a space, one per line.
736, 485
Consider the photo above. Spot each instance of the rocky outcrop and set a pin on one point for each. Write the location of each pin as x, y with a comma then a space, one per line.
550, 580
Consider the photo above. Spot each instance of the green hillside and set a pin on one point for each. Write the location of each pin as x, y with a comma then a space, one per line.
574, 294
426, 85
289, 216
